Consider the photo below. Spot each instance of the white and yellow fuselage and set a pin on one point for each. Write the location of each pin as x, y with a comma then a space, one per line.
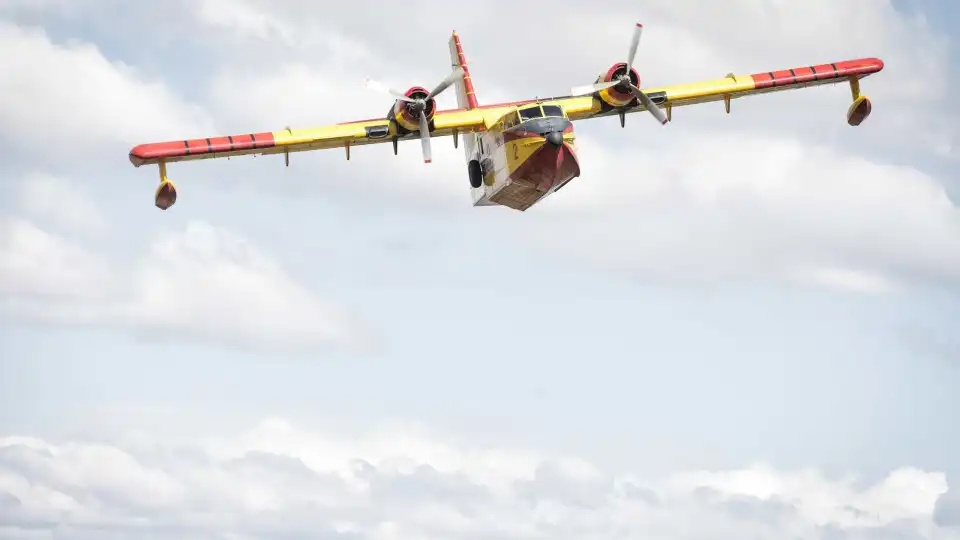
524, 155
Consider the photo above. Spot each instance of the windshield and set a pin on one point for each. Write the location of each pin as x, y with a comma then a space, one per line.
511, 119
530, 112
552, 110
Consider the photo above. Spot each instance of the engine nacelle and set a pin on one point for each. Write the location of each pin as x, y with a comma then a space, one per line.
406, 114
619, 95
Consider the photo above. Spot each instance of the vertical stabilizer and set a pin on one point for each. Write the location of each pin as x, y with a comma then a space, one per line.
466, 98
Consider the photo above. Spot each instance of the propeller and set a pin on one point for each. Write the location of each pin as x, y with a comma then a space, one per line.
418, 106
623, 81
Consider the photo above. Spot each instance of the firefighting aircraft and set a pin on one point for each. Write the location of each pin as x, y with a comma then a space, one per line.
516, 153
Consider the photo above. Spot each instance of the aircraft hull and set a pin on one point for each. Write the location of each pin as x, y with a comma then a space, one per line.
522, 169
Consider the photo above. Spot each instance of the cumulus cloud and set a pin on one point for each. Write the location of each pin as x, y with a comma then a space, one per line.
61, 203
245, 20
201, 282
69, 102
791, 211
35, 263
211, 283
280, 479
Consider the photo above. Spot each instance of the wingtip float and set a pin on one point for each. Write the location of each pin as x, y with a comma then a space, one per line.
516, 153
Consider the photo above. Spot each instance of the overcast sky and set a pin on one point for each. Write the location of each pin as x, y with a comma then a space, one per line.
737, 326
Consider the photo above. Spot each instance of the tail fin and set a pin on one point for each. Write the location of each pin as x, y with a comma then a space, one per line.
466, 99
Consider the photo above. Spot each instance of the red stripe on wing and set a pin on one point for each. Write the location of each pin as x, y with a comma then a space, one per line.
849, 68
197, 146
177, 149
804, 74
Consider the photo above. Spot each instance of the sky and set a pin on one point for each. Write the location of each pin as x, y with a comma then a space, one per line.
733, 326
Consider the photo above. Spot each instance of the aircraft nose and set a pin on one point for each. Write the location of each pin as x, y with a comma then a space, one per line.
555, 138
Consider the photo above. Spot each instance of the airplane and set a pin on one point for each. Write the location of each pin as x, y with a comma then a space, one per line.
516, 153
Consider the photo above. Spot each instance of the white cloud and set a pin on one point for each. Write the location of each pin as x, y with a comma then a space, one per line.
845, 279
35, 263
244, 20
69, 102
278, 479
62, 203
905, 494
789, 211
311, 96
202, 282
210, 283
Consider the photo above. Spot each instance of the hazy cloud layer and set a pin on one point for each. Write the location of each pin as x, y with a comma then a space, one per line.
281, 480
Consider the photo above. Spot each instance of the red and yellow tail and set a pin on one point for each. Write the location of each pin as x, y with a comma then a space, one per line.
466, 98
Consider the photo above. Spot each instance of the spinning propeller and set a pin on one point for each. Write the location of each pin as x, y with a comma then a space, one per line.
418, 106
623, 82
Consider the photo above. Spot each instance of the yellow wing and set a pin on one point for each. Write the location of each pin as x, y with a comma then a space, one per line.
736, 86
298, 140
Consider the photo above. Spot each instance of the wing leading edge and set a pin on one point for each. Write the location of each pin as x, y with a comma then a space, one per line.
452, 122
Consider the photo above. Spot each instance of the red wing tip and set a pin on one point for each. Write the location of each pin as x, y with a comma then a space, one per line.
664, 122
639, 25
427, 160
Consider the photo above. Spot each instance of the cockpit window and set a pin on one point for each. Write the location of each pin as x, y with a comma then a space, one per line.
530, 112
552, 110
510, 119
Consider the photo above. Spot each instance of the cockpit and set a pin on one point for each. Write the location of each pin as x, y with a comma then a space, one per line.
540, 111
531, 112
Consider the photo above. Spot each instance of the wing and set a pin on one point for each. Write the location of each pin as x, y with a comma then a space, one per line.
298, 140
738, 86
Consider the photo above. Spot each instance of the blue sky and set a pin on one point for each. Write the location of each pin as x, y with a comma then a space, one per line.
770, 287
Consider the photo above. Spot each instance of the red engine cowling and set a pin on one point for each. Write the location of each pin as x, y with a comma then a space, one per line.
408, 115
619, 95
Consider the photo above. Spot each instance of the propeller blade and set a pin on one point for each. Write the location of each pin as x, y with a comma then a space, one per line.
634, 45
378, 86
425, 137
452, 78
657, 112
591, 88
